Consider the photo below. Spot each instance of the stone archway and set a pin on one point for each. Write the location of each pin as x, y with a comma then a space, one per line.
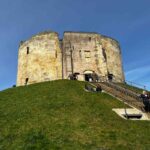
88, 75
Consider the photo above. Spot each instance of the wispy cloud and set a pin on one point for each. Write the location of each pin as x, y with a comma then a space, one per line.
138, 69
139, 75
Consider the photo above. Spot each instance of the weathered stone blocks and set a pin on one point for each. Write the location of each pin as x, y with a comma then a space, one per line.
44, 57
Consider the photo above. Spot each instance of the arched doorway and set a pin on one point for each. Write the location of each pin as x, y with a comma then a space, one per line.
88, 75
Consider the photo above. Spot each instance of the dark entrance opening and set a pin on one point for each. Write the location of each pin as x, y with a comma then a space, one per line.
26, 81
110, 77
88, 77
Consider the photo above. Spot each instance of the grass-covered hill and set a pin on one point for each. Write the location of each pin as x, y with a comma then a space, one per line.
60, 115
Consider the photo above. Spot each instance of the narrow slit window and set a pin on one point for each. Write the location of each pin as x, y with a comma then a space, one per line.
80, 55
90, 38
104, 54
56, 54
27, 50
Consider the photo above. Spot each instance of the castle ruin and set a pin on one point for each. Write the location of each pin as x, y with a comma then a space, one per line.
45, 57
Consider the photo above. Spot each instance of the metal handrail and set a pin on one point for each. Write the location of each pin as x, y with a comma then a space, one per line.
136, 84
144, 87
123, 90
119, 88
125, 94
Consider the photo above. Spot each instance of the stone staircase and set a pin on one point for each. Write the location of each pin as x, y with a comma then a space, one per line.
128, 96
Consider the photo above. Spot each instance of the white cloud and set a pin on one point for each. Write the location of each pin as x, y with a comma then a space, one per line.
139, 75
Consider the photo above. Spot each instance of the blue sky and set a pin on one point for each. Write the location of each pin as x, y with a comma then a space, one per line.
128, 21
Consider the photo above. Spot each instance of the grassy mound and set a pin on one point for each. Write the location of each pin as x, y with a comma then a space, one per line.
61, 115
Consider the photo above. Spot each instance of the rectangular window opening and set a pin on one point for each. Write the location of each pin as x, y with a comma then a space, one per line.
87, 54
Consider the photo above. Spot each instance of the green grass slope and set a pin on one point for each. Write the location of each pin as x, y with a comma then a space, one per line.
61, 115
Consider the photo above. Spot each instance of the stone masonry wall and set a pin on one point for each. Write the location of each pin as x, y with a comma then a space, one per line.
92, 52
86, 54
43, 61
113, 58
44, 57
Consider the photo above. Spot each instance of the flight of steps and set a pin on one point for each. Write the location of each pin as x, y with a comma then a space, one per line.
130, 97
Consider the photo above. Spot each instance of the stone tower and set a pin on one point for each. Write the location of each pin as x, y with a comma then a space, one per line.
39, 59
45, 57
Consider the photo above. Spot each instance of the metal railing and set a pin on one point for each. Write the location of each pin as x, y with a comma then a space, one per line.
127, 94
123, 90
136, 84
117, 79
